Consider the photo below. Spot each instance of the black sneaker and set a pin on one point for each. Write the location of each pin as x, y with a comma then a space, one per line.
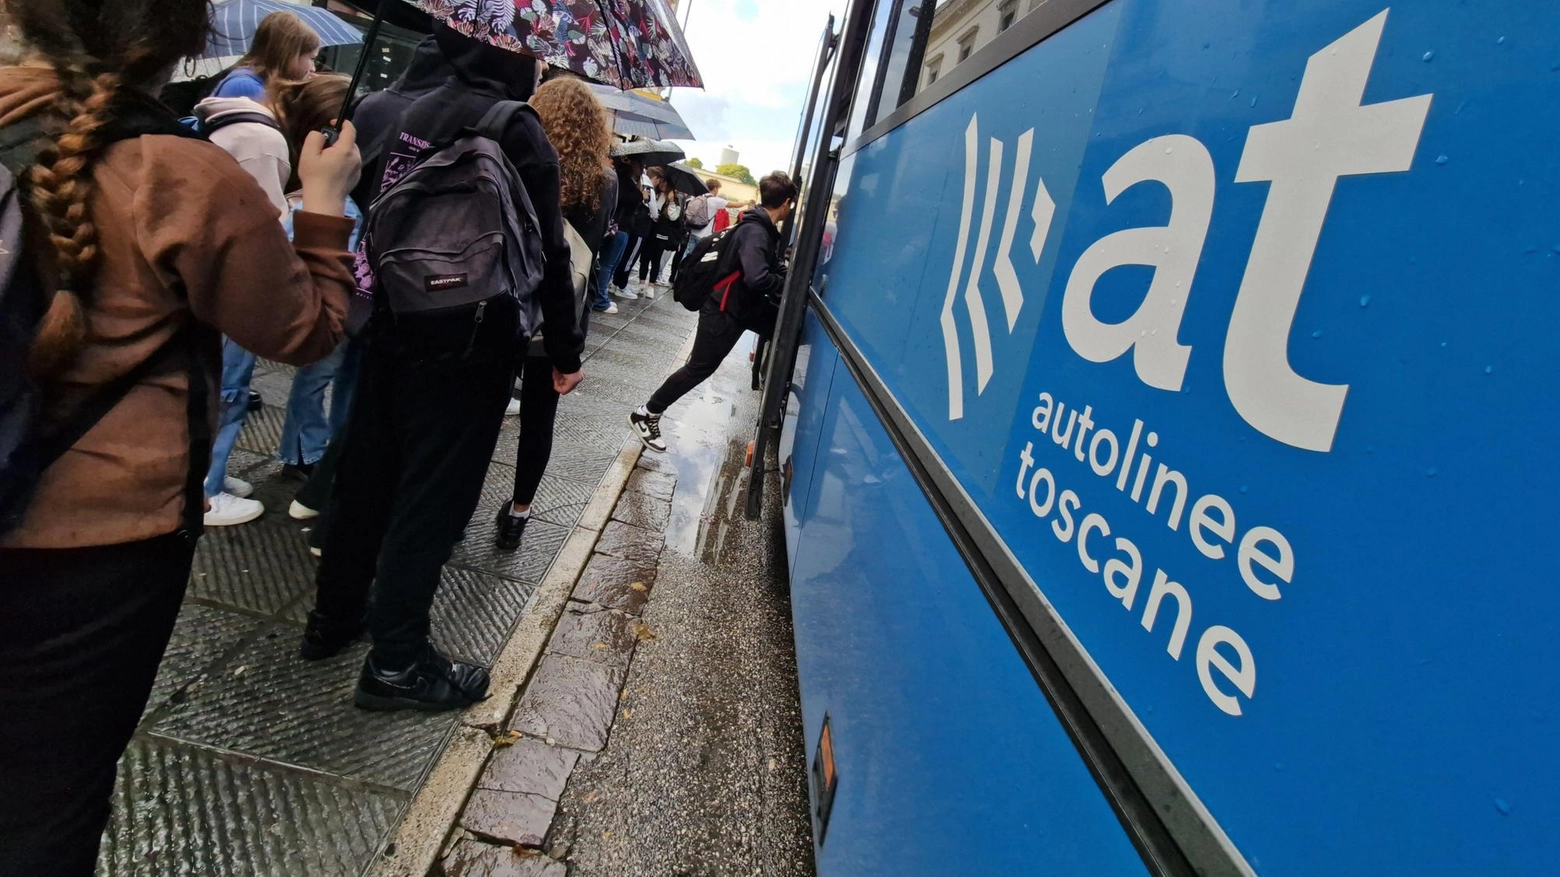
510, 528
299, 471
255, 402
431, 684
647, 427
324, 639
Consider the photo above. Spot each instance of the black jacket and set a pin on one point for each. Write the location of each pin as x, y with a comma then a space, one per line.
754, 251
483, 75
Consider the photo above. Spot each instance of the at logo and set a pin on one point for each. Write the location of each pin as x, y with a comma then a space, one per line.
1012, 292
1330, 134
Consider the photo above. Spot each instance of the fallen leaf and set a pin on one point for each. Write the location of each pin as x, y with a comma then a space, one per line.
525, 852
641, 631
623, 695
771, 764
638, 586
506, 739
598, 646
243, 668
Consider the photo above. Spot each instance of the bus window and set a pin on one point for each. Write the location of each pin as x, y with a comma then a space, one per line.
862, 103
959, 29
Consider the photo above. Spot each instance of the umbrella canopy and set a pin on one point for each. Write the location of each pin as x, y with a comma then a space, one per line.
234, 22
685, 179
650, 152
634, 115
627, 43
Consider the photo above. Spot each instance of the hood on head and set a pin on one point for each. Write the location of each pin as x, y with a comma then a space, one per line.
480, 65
427, 71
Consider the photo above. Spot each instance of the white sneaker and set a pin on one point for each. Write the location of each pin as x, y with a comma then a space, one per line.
626, 294
513, 409
647, 428
648, 292
610, 309
228, 510
300, 512
238, 487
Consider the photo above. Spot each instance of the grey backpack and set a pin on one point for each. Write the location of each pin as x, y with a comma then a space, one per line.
458, 229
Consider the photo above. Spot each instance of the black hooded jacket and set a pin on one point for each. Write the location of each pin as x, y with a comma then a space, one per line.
754, 251
482, 76
375, 116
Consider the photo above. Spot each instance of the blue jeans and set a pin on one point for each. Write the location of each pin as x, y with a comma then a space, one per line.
306, 430
611, 254
238, 367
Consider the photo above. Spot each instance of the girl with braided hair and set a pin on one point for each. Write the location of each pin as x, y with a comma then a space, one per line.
146, 243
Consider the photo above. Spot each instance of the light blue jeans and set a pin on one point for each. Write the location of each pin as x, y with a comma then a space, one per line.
611, 254
238, 368
306, 430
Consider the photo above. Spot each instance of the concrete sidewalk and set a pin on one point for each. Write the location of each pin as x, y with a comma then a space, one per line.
250, 761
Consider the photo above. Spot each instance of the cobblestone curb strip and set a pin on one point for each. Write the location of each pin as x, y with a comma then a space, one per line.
569, 704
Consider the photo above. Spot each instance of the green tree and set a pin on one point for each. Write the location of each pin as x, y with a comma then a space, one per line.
695, 162
737, 172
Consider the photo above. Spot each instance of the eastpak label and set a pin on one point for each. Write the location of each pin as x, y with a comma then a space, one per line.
437, 282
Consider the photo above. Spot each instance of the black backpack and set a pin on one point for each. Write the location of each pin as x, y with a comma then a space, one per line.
29, 443
704, 270
458, 230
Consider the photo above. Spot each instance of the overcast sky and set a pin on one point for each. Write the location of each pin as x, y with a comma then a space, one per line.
756, 57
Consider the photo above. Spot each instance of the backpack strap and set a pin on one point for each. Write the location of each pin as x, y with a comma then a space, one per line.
227, 119
498, 118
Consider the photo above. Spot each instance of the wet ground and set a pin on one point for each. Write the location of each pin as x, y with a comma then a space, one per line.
250, 761
704, 770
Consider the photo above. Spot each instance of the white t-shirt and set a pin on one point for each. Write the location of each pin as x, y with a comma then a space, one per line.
717, 204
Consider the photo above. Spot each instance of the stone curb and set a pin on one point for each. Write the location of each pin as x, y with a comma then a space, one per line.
434, 812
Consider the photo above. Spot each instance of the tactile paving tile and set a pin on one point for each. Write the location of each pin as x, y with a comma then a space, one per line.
606, 428
261, 566
528, 564
269, 702
184, 811
262, 432
558, 500
201, 637
473, 613
571, 458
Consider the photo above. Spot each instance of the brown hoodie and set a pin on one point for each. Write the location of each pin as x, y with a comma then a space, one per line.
183, 232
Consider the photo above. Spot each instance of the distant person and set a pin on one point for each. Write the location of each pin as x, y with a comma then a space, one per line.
745, 304
666, 213
283, 49
577, 126
160, 242
640, 221
614, 250
253, 133
430, 402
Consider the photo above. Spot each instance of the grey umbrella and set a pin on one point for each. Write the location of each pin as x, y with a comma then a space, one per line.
685, 179
634, 115
651, 152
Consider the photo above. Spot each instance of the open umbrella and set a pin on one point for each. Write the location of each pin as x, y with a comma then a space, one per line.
685, 179
233, 25
650, 152
634, 115
627, 43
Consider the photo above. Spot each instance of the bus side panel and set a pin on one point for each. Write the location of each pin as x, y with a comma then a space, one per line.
815, 362
949, 758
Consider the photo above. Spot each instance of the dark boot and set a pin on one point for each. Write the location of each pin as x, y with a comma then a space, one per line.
510, 528
324, 638
432, 683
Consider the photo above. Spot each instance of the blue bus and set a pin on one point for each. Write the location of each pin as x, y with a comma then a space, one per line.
1165, 397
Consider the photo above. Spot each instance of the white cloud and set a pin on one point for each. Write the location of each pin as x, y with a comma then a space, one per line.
756, 57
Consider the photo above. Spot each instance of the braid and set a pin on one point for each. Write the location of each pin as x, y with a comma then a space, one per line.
61, 186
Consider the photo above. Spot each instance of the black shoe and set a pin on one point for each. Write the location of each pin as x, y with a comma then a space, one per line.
510, 528
255, 402
647, 428
300, 471
431, 684
323, 639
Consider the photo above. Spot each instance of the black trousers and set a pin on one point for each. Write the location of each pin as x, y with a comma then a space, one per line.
538, 413
418, 445
717, 335
81, 633
650, 257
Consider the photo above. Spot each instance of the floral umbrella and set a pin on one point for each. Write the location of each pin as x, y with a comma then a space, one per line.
626, 43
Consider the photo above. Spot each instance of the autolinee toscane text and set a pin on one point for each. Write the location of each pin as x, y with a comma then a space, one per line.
1262, 555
